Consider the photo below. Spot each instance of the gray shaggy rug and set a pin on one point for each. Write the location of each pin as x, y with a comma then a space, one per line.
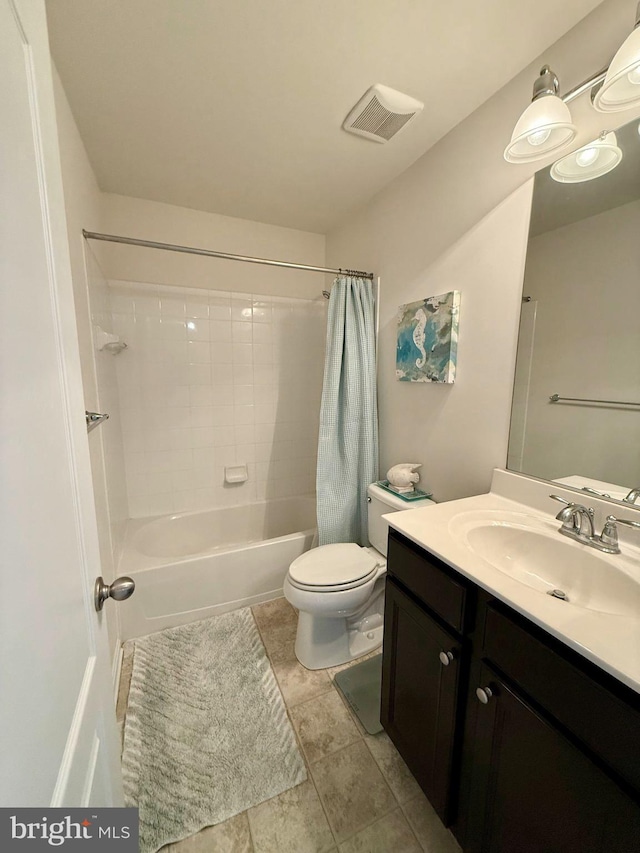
206, 734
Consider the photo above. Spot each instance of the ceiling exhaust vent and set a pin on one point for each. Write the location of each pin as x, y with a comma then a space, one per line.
381, 113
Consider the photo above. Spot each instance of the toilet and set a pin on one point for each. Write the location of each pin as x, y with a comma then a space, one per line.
339, 590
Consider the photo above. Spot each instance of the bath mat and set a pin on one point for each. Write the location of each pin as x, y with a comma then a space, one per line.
361, 685
206, 734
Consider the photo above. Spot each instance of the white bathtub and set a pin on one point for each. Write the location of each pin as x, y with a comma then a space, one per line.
196, 564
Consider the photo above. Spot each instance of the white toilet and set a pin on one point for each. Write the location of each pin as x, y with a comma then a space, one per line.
339, 590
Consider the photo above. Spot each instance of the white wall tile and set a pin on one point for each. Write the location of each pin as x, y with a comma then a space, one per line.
198, 330
198, 308
212, 379
200, 395
241, 332
221, 352
198, 352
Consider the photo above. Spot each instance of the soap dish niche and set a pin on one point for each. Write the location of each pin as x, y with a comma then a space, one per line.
234, 474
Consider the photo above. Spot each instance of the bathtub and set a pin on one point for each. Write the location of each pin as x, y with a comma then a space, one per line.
194, 565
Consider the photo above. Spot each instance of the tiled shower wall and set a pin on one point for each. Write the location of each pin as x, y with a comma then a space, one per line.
105, 442
212, 379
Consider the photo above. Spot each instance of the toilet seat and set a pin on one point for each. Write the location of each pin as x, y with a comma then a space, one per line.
331, 568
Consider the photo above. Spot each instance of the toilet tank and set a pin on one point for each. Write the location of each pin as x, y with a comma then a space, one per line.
381, 502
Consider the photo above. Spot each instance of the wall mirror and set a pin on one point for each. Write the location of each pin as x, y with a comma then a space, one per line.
576, 403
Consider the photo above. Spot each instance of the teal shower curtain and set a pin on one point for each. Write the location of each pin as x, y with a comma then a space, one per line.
348, 438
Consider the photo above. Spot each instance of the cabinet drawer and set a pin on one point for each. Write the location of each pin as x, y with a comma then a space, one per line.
609, 726
434, 583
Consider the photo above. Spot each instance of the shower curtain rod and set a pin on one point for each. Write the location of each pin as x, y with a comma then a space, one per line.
190, 250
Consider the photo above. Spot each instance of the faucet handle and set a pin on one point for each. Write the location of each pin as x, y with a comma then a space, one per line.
613, 520
609, 535
562, 500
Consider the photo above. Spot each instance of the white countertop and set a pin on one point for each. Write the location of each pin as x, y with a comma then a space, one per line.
610, 641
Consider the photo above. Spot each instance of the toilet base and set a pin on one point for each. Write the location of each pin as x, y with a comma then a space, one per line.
323, 642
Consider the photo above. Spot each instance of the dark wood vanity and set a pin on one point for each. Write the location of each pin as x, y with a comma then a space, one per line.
520, 744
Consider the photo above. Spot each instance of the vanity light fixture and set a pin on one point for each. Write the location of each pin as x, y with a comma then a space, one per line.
614, 88
621, 87
591, 161
545, 126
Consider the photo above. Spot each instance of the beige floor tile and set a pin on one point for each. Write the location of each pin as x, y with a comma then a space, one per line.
299, 684
277, 611
352, 790
428, 827
361, 729
393, 768
231, 836
280, 644
391, 834
323, 725
293, 822
277, 622
125, 681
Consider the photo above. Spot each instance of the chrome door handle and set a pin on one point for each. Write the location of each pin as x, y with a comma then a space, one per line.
120, 589
446, 658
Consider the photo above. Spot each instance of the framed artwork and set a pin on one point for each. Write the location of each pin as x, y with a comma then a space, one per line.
428, 339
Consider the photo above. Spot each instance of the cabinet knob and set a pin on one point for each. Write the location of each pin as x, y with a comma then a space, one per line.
484, 694
446, 658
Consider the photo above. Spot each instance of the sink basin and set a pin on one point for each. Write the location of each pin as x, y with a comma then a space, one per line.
530, 550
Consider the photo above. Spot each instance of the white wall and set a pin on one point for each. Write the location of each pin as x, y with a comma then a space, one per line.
150, 220
83, 209
213, 379
584, 279
433, 229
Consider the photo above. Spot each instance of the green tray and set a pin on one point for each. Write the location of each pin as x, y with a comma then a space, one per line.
415, 495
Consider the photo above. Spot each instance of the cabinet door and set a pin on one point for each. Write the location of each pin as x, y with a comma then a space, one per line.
532, 790
420, 695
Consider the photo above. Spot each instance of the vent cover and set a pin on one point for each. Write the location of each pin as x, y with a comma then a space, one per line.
381, 113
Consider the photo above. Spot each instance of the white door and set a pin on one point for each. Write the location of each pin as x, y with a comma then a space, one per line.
58, 737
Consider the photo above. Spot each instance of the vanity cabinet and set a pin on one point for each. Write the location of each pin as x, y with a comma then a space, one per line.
533, 791
421, 688
425, 669
545, 758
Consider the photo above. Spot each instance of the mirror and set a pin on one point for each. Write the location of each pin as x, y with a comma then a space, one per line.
576, 403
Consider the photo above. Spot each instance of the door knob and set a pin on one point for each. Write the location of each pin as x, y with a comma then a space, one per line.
484, 694
446, 658
120, 589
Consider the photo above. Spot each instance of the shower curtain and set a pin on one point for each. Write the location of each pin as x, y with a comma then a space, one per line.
348, 438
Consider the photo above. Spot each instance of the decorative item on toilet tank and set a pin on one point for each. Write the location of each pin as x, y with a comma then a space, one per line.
428, 339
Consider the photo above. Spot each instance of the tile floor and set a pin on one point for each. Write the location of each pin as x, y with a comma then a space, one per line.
359, 796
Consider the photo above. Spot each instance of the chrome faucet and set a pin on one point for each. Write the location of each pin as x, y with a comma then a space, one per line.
633, 495
577, 520
577, 523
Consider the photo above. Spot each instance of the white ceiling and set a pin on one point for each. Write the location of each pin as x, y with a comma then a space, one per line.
236, 106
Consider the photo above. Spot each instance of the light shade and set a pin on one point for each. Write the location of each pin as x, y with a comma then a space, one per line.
589, 162
544, 127
621, 87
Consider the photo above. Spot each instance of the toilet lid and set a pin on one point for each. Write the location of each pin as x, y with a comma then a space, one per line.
330, 565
